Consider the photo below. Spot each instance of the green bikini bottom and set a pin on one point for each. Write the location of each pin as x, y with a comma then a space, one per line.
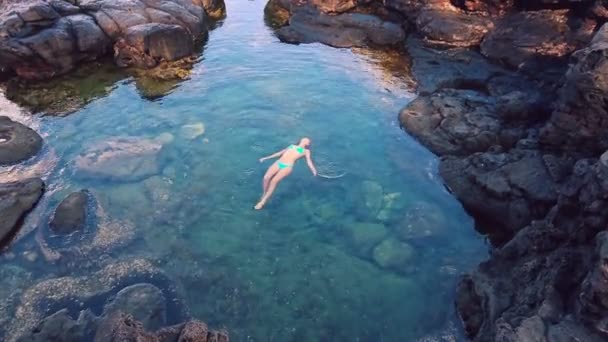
283, 165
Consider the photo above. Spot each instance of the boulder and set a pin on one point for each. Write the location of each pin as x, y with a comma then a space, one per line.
343, 30
146, 45
452, 28
16, 200
393, 254
125, 159
70, 215
17, 142
363, 237
61, 327
41, 39
580, 119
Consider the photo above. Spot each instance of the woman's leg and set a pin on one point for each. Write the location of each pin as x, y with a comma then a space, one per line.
272, 186
272, 170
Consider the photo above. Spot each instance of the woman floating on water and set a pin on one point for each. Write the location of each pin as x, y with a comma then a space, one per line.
283, 167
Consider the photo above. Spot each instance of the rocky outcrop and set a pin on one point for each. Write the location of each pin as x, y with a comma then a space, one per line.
452, 27
580, 120
40, 39
17, 142
16, 200
342, 30
70, 215
124, 159
330, 23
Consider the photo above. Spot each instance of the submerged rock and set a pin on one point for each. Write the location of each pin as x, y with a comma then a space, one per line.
61, 327
16, 200
193, 131
393, 254
17, 142
145, 302
365, 236
70, 215
125, 159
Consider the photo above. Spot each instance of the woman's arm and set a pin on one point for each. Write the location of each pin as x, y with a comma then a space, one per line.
311, 166
274, 155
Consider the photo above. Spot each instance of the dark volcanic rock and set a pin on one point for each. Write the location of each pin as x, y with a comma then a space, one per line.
16, 200
40, 39
458, 122
530, 40
17, 142
343, 30
452, 27
593, 299
70, 215
580, 120
503, 190
144, 46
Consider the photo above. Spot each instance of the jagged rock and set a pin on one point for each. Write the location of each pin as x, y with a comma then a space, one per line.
503, 190
124, 159
343, 30
593, 298
17, 142
580, 119
16, 200
457, 122
70, 215
452, 28
216, 9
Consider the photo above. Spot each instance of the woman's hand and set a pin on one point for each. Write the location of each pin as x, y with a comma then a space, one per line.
262, 159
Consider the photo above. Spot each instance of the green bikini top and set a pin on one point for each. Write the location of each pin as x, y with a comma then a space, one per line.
297, 148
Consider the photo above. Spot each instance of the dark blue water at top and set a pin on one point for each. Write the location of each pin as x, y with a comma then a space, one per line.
372, 255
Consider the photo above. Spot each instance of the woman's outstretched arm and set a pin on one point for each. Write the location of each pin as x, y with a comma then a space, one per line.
311, 166
274, 155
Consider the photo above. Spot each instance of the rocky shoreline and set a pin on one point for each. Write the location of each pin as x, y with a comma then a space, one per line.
512, 98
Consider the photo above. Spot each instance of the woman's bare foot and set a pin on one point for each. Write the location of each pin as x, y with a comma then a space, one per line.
259, 206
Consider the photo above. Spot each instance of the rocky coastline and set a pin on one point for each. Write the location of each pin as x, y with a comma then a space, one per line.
511, 97
512, 100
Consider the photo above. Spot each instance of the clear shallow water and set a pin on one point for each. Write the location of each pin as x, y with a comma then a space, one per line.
325, 260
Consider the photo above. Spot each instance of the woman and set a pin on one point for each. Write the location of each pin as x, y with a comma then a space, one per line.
283, 167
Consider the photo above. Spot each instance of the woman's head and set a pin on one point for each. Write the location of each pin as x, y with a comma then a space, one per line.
305, 142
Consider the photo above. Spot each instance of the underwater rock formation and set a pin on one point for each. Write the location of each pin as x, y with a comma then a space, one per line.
17, 142
87, 291
123, 159
70, 214
40, 39
16, 200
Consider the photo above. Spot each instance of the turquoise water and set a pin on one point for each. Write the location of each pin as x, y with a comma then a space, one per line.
373, 255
